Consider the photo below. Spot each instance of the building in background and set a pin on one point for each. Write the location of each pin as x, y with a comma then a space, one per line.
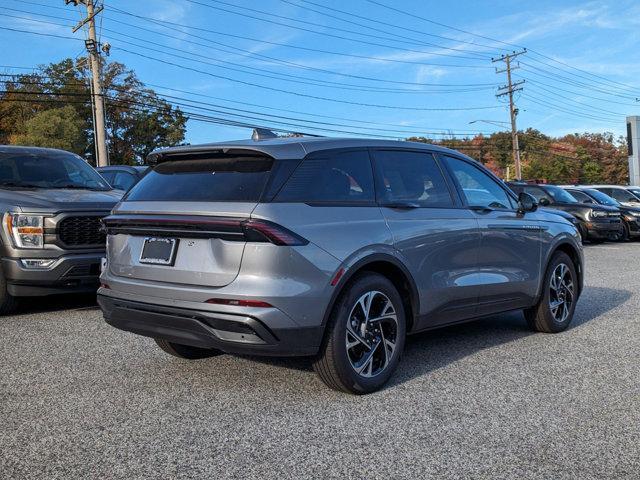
633, 143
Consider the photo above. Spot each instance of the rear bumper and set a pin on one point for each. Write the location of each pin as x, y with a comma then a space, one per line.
239, 334
69, 274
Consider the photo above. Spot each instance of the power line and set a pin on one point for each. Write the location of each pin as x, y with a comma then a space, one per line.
270, 73
316, 97
166, 23
402, 27
262, 18
413, 15
443, 47
421, 130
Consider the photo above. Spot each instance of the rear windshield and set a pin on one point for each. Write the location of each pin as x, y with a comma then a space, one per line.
228, 179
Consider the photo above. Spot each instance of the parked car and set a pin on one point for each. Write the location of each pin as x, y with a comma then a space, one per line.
597, 222
634, 189
330, 248
123, 177
623, 195
630, 216
52, 202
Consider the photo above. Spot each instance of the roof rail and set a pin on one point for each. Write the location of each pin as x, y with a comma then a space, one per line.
262, 134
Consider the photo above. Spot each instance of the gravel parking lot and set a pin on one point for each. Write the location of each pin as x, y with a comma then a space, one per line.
79, 399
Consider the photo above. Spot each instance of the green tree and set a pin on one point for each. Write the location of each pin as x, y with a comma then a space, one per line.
56, 128
137, 119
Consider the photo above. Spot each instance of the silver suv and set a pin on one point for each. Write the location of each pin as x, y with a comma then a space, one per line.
331, 248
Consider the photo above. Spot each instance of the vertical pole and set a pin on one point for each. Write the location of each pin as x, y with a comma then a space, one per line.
515, 145
100, 135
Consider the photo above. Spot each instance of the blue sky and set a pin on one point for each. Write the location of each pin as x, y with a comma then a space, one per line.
391, 74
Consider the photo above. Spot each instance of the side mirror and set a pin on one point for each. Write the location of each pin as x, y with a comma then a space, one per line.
527, 203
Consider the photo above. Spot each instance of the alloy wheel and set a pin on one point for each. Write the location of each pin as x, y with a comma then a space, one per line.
372, 334
561, 292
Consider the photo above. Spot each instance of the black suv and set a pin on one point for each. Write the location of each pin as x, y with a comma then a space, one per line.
52, 203
597, 222
630, 215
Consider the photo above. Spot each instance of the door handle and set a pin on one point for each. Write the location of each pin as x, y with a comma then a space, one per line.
401, 205
481, 208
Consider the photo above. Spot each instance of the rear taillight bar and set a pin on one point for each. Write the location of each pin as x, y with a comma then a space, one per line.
239, 229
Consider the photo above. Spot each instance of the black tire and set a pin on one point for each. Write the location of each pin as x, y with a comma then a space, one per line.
334, 363
8, 303
624, 237
186, 351
540, 317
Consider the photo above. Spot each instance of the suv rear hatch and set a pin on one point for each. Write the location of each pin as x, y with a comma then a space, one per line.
187, 221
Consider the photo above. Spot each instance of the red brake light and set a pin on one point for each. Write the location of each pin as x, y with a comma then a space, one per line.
239, 303
276, 234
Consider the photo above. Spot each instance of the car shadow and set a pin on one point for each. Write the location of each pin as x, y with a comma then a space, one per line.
429, 351
55, 303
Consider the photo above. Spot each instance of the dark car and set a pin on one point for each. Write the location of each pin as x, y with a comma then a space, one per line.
630, 215
52, 202
330, 248
123, 177
597, 222
623, 195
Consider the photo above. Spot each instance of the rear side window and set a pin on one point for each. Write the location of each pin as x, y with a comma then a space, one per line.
412, 177
340, 177
221, 179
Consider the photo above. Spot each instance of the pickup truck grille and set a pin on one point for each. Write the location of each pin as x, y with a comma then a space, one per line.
81, 231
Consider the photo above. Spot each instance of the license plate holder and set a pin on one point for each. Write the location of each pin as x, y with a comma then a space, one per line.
159, 251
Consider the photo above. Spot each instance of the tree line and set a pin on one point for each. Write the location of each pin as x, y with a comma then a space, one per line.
578, 158
52, 108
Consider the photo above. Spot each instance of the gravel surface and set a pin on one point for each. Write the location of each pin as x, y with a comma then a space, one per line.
79, 399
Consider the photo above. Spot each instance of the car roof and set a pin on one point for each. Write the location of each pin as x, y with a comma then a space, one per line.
31, 150
285, 148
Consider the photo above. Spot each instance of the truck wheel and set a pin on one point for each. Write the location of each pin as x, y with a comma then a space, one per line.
365, 336
556, 306
8, 303
186, 351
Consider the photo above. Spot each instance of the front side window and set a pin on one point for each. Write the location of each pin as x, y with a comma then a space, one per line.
331, 177
479, 188
411, 177
48, 170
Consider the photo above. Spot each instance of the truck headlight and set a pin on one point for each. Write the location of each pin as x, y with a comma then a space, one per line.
27, 231
598, 214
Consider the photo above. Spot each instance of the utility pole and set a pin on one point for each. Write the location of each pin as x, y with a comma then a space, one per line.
509, 90
93, 48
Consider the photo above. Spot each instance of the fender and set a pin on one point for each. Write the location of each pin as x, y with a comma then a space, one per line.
559, 241
357, 262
